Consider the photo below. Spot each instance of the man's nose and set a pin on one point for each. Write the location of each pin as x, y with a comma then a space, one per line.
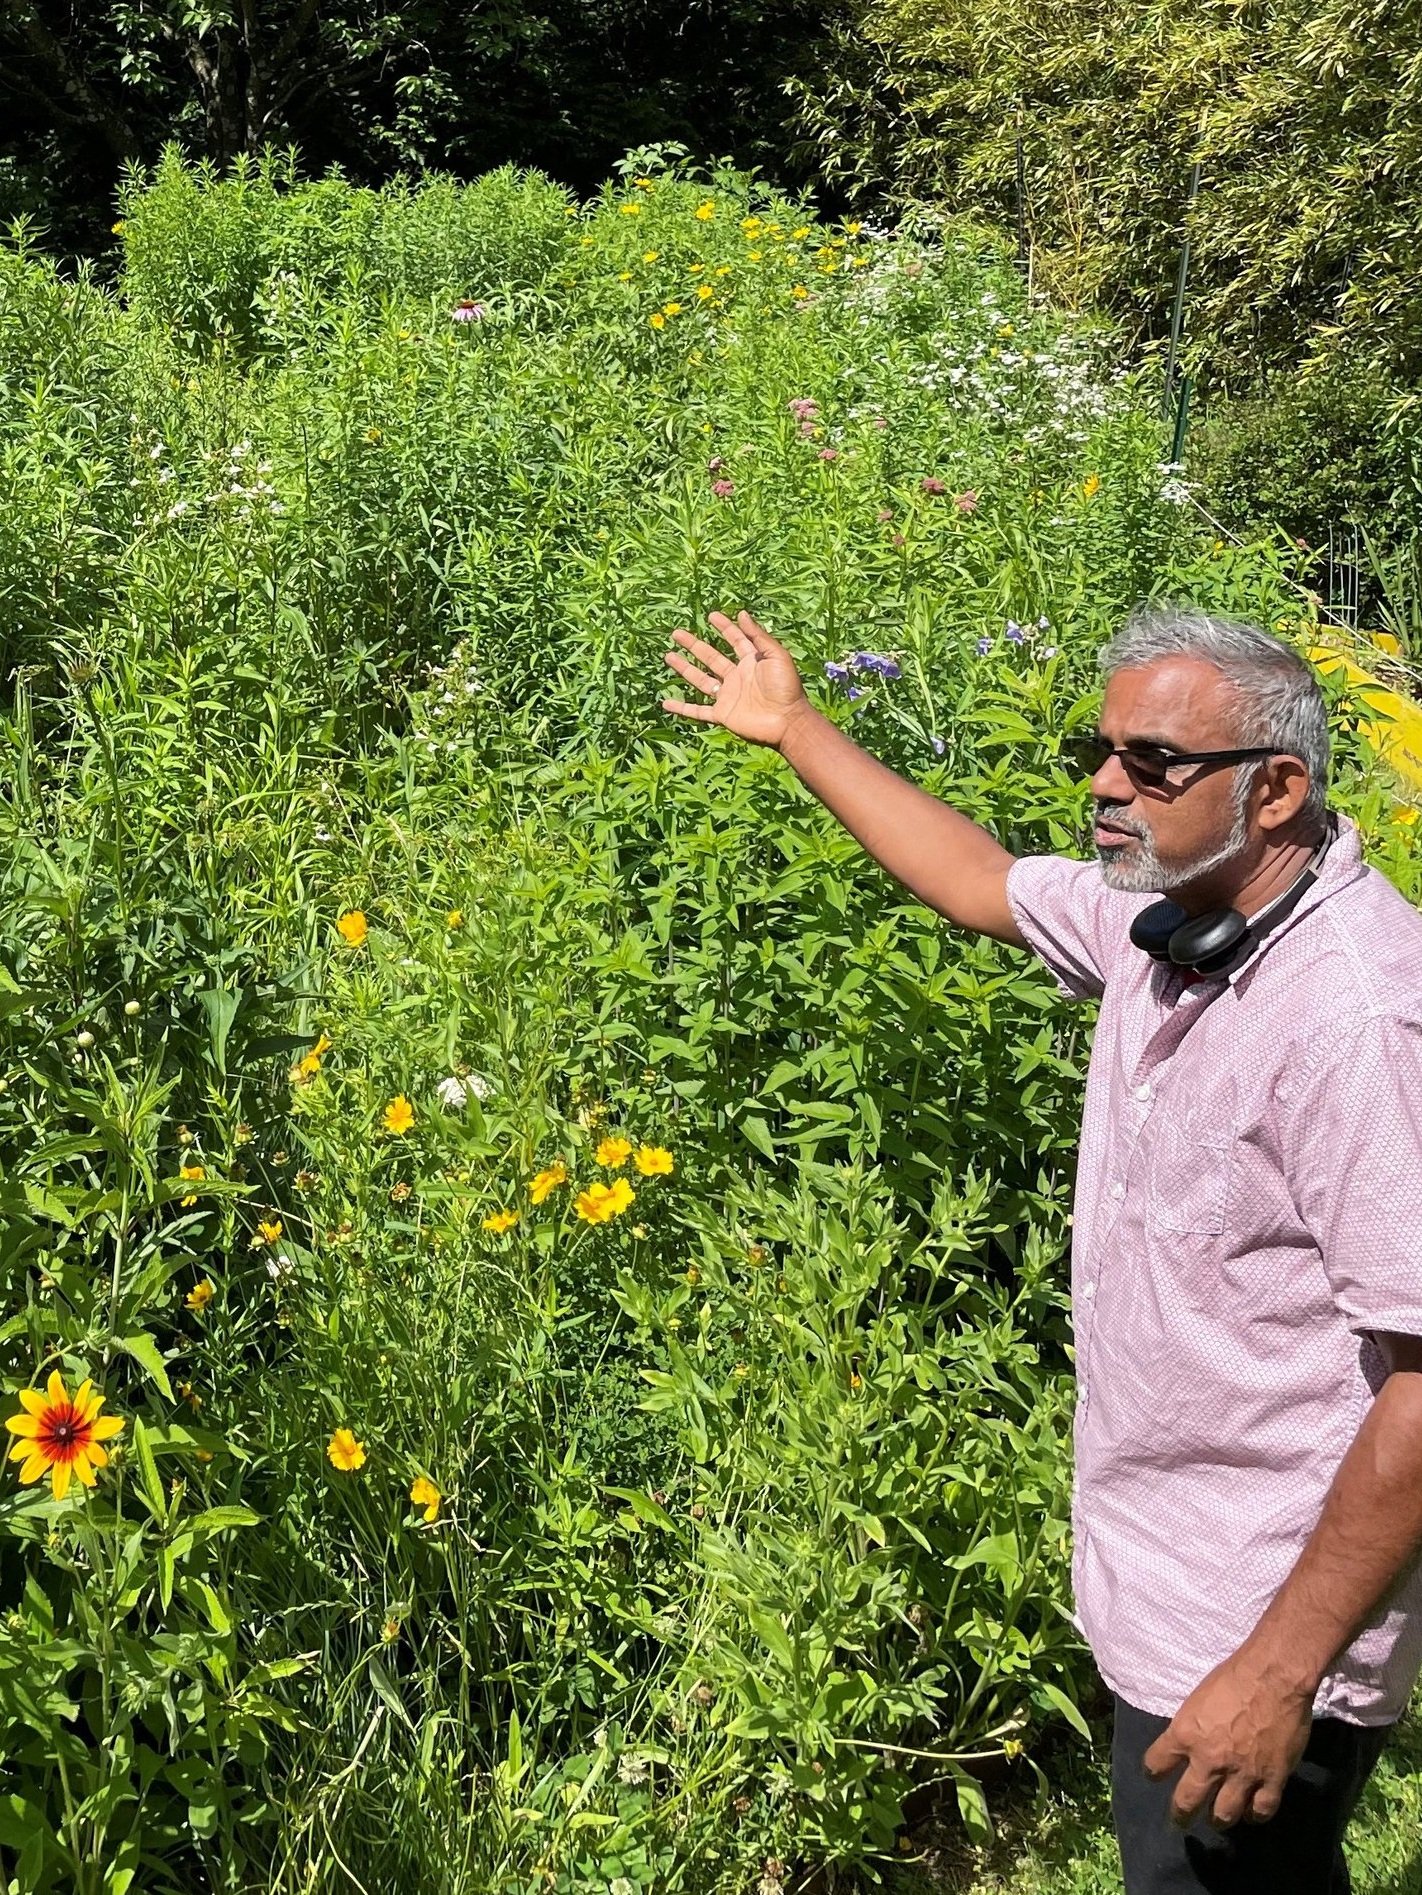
1111, 783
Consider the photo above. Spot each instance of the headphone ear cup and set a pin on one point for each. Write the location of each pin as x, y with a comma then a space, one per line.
1207, 942
1154, 927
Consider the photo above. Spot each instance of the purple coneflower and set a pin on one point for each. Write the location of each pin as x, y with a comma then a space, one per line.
466, 310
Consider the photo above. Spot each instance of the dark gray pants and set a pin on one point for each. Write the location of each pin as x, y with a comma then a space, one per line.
1298, 1852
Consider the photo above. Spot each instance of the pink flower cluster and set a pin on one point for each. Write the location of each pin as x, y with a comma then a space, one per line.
723, 489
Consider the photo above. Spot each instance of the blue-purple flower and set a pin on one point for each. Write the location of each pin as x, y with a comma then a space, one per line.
1015, 633
873, 661
984, 647
854, 691
838, 673
938, 746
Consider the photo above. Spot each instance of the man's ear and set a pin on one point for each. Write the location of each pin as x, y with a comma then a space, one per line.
1284, 782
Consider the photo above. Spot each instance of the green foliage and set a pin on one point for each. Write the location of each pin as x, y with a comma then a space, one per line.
751, 1495
1303, 119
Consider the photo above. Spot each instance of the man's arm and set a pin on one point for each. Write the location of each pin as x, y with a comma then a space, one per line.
1244, 1727
951, 863
947, 860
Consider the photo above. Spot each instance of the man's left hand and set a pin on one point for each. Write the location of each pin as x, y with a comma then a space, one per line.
1238, 1734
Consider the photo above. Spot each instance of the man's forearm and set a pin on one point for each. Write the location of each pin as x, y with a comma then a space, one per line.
1369, 1532
950, 862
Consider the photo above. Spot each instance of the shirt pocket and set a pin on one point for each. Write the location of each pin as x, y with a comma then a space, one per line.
1191, 1170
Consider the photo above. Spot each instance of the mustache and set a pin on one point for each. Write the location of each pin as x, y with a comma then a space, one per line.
1106, 816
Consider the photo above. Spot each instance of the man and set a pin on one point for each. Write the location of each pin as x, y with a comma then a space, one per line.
1247, 1244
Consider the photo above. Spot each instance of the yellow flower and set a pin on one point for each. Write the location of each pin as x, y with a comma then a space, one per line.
754, 256
724, 270
310, 1065
852, 230
548, 1180
61, 1435
601, 1201
343, 1451
859, 263
624, 276
704, 290
119, 227
353, 927
643, 184
705, 212
671, 309
803, 231
650, 256
399, 1116
201, 1294
657, 320
454, 919
614, 1152
501, 1221
630, 210
696, 268
270, 1232
1091, 486
192, 1173
799, 290
693, 1274
654, 1161
751, 226
372, 434
424, 1493
1004, 329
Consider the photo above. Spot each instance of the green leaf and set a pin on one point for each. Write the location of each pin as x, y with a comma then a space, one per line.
144, 1351
1059, 1700
149, 1481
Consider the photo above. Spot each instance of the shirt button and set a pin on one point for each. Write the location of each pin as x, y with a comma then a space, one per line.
1118, 1190
1142, 1092
1088, 1290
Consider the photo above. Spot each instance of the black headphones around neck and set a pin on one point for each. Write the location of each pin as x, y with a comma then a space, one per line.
1209, 942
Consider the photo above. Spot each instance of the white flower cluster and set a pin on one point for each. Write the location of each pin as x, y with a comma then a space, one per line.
452, 690
234, 484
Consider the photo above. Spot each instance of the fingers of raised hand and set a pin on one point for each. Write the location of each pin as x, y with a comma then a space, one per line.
684, 668
714, 660
1234, 1801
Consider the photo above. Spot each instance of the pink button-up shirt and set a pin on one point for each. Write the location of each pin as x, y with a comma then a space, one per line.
1248, 1209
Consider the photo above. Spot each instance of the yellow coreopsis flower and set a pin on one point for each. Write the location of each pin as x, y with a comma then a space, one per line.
705, 212
650, 256
353, 927
61, 1436
192, 1173
398, 1116
1091, 486
624, 276
200, 1295
454, 919
671, 309
654, 1161
614, 1152
602, 1201
799, 291
270, 1231
310, 1064
630, 210
548, 1180
501, 1221
803, 231
119, 228
704, 291
657, 320
343, 1451
751, 226
425, 1494
852, 230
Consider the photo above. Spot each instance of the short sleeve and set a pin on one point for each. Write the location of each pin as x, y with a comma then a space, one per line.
1353, 1156
1070, 919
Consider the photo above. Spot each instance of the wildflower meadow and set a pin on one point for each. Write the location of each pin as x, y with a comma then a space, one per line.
535, 1341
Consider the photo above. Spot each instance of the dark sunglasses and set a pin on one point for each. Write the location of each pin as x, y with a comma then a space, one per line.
1148, 765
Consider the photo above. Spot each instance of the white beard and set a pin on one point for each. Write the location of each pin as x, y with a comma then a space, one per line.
1141, 871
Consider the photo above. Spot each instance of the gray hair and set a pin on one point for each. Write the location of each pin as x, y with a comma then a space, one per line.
1280, 702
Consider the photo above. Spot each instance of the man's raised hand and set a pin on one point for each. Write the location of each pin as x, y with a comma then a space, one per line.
757, 693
